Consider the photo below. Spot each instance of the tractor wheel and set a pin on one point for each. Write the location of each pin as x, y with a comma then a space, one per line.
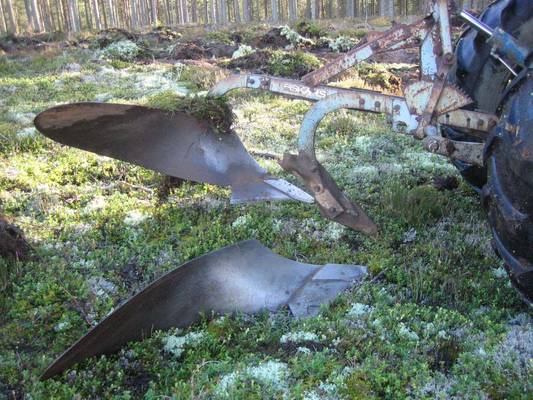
483, 77
508, 194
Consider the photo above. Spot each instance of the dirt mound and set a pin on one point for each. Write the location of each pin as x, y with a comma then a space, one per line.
10, 43
199, 50
107, 36
13, 245
220, 50
272, 39
286, 64
188, 51
162, 34
309, 30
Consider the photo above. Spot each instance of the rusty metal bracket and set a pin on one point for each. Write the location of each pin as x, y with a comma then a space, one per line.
443, 52
368, 100
331, 201
470, 152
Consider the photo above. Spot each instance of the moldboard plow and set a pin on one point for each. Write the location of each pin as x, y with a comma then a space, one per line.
472, 103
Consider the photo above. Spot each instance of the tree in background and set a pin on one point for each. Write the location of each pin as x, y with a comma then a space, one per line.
36, 16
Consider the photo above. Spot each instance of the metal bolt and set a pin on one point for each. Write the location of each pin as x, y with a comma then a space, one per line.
432, 145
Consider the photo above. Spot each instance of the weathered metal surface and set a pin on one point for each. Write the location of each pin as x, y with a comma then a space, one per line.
473, 120
441, 9
331, 201
172, 143
437, 88
469, 152
246, 277
417, 96
290, 88
390, 38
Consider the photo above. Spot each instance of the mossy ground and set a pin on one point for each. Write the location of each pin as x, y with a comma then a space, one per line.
436, 319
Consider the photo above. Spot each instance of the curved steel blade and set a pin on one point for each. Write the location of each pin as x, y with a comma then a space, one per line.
245, 277
176, 144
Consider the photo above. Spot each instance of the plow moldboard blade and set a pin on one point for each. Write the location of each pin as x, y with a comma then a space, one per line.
246, 277
175, 144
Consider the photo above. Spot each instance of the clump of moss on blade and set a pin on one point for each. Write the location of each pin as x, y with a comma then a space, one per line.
214, 110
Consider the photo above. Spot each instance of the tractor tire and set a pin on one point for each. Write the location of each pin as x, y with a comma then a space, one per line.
508, 194
481, 76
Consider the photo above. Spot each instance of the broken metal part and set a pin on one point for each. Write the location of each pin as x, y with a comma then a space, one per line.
175, 144
246, 277
469, 152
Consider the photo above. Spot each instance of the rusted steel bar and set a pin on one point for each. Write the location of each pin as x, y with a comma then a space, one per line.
469, 152
390, 38
475, 120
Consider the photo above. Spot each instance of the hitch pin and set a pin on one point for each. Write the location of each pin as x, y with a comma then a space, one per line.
488, 31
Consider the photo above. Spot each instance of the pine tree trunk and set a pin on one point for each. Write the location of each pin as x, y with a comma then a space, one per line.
29, 15
63, 15
313, 9
236, 11
194, 11
213, 7
169, 12
275, 11
133, 11
113, 17
246, 11
293, 10
3, 22
222, 12
96, 14
88, 14
12, 26
154, 12
184, 11
38, 26
350, 12
206, 12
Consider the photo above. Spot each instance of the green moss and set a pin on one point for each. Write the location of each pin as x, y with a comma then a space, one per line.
73, 207
414, 207
215, 110
288, 64
358, 387
378, 75
219, 36
292, 64
309, 29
